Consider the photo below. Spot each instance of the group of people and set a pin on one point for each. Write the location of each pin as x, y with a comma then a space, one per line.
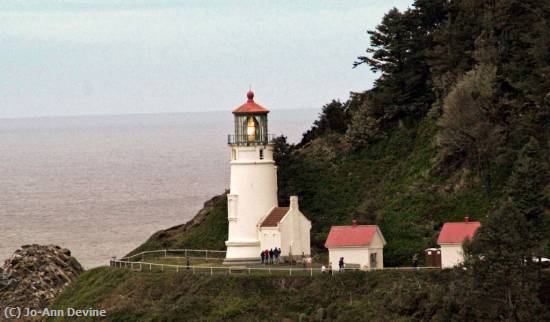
270, 256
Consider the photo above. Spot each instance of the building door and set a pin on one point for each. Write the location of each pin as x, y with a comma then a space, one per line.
373, 261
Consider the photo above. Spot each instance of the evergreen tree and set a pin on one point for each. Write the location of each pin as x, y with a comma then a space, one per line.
527, 189
502, 280
468, 134
332, 119
397, 51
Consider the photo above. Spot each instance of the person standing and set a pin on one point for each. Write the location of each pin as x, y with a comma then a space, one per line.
330, 268
323, 269
271, 256
341, 264
263, 257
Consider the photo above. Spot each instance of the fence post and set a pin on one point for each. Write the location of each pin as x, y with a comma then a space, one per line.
150, 268
186, 253
207, 254
269, 270
249, 271
161, 267
177, 269
311, 271
211, 271
165, 253
290, 270
193, 269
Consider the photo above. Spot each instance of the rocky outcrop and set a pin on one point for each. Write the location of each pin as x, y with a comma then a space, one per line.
35, 274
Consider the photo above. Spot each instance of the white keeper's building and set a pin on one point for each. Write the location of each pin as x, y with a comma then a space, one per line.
451, 238
256, 222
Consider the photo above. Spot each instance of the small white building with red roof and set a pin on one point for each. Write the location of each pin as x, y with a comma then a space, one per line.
451, 237
360, 246
286, 228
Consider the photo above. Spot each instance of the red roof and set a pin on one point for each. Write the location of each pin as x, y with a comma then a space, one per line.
456, 232
250, 106
357, 235
274, 217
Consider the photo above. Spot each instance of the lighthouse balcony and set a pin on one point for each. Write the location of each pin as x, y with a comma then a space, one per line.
248, 140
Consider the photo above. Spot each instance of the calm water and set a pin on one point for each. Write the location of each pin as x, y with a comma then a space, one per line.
101, 186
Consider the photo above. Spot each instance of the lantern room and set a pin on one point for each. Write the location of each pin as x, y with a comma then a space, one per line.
250, 124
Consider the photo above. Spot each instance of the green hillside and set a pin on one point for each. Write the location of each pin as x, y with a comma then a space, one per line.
131, 296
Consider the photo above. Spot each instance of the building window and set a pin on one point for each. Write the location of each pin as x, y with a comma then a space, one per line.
261, 154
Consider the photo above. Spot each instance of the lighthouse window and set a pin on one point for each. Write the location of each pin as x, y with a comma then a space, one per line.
261, 154
251, 129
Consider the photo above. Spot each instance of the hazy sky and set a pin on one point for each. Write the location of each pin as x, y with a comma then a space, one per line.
77, 57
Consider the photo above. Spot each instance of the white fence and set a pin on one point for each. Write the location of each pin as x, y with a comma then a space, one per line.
236, 270
205, 254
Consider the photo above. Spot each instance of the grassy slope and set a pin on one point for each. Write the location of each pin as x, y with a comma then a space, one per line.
136, 296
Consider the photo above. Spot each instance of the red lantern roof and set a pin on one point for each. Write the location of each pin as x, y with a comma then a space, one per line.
355, 235
457, 232
250, 106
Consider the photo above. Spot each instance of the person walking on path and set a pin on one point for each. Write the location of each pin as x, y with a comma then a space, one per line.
263, 257
266, 255
341, 264
415, 261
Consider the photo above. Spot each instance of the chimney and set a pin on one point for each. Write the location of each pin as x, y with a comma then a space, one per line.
354, 223
466, 219
294, 202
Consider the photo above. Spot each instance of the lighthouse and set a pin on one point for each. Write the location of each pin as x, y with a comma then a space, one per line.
253, 187
256, 222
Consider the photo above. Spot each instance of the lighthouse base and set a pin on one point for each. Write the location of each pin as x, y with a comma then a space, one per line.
242, 252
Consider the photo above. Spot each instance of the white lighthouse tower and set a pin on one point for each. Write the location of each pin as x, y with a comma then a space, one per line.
253, 187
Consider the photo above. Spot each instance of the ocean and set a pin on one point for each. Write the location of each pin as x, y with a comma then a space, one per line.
101, 185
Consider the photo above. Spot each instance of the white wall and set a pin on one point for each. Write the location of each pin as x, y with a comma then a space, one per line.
270, 237
352, 255
295, 234
358, 255
253, 193
451, 255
